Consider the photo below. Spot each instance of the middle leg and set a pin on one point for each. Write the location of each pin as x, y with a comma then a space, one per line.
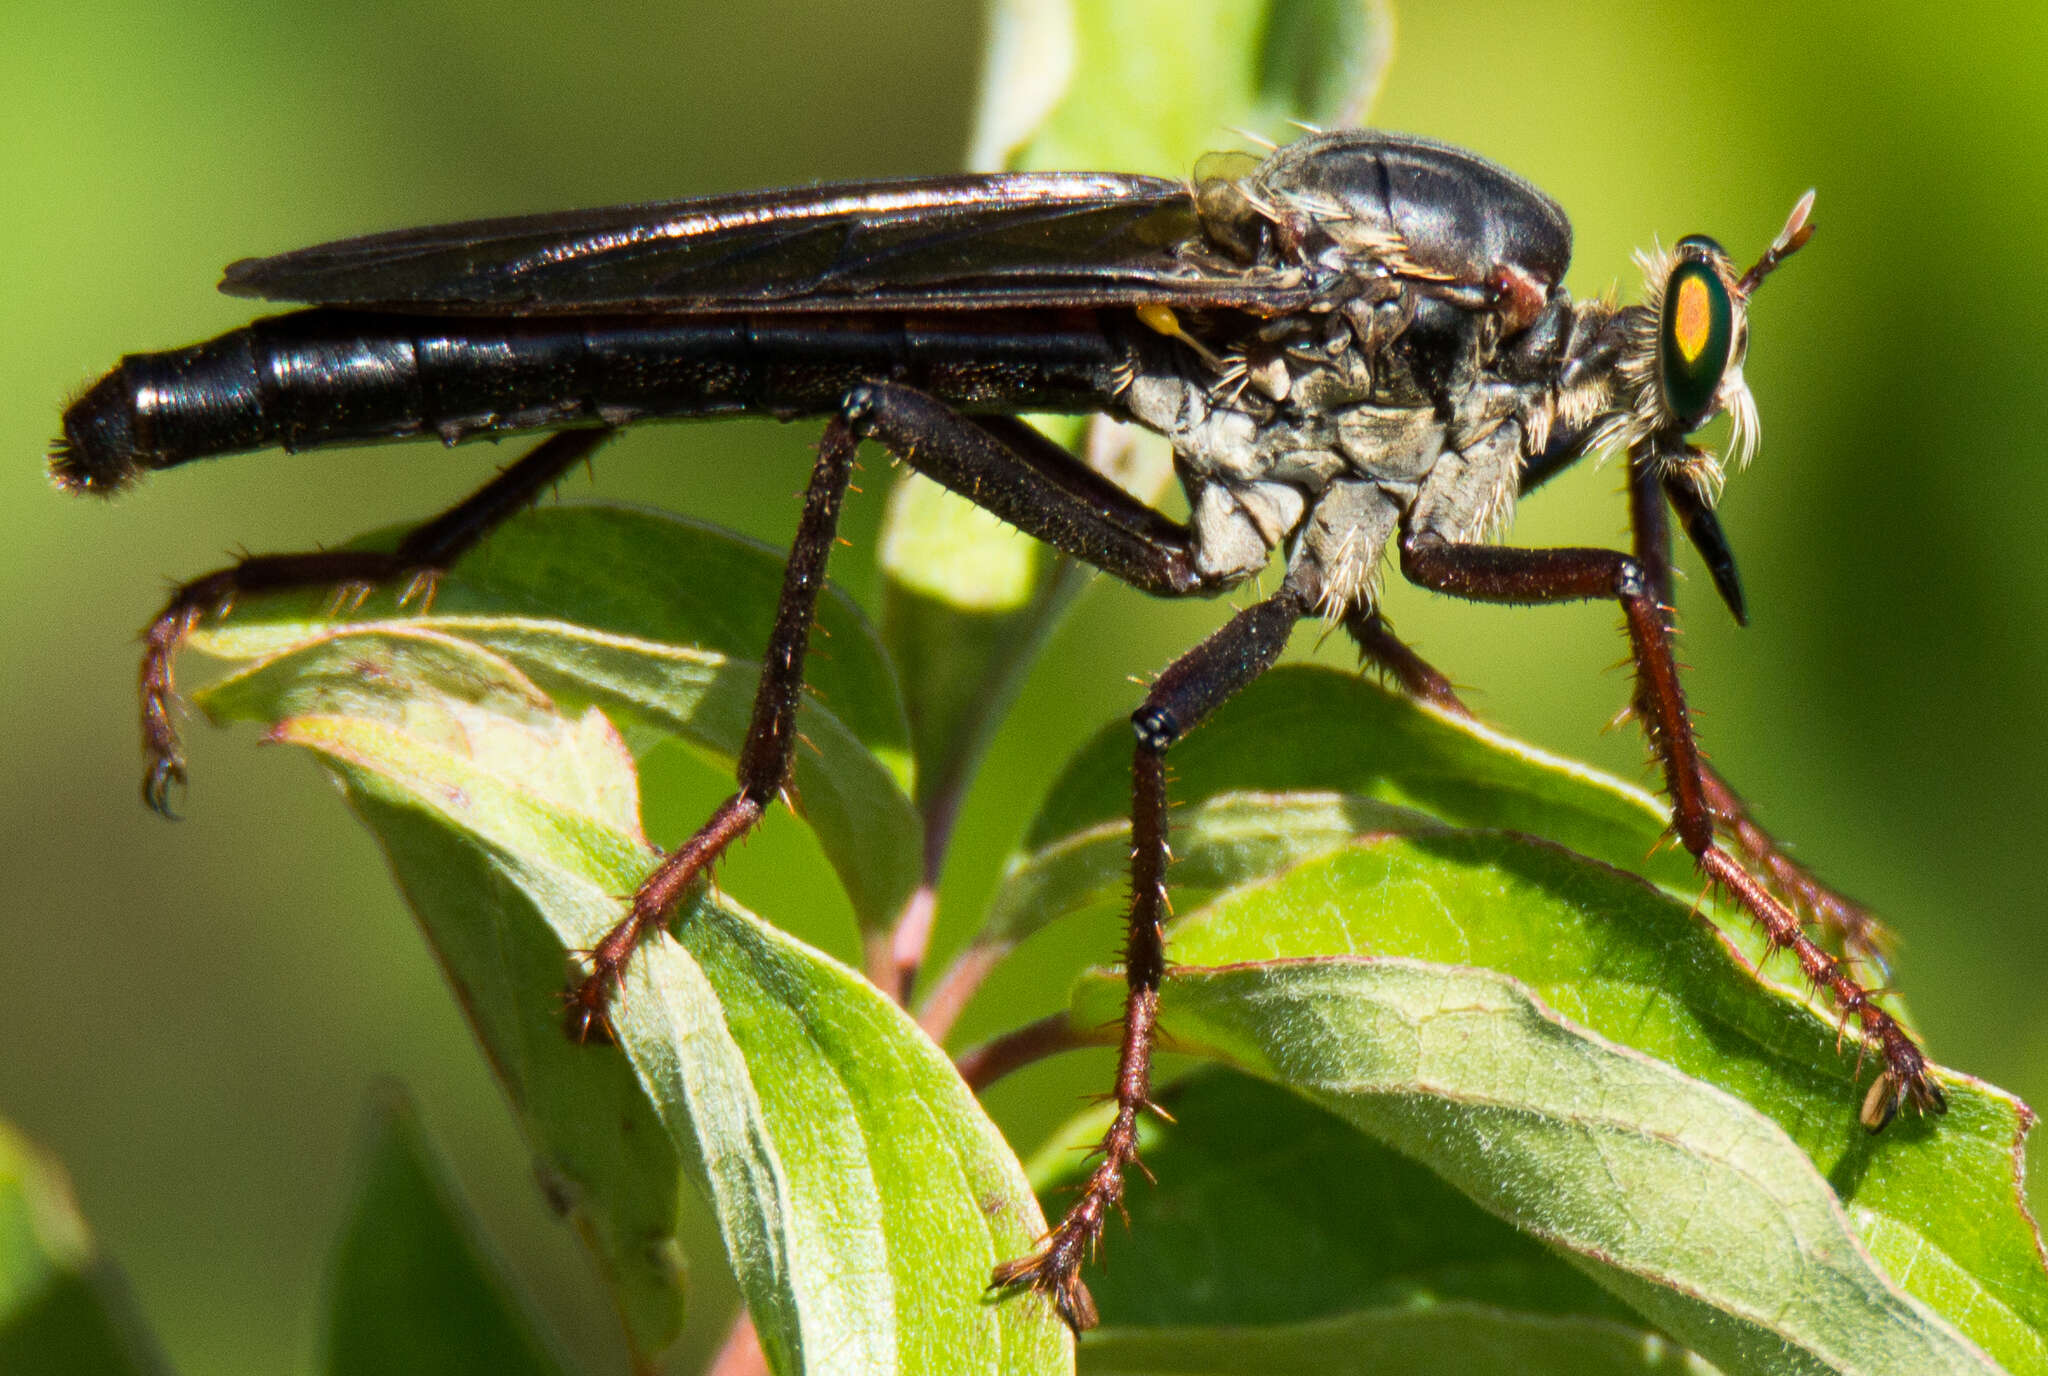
1195, 685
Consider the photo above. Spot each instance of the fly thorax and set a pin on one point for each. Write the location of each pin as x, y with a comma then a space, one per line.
1466, 496
1394, 443
1238, 525
1209, 439
1223, 455
1343, 541
1469, 495
1324, 378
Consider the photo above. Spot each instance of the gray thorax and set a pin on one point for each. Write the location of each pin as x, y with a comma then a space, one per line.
1352, 450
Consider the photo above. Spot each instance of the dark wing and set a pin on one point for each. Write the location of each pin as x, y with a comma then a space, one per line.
938, 243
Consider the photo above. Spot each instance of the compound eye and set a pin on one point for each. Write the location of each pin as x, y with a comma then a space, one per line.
1694, 336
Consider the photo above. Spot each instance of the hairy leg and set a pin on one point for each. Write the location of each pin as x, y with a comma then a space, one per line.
1857, 931
1492, 574
1195, 685
769, 746
1001, 465
420, 557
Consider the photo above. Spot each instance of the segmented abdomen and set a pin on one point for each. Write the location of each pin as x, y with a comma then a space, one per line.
328, 376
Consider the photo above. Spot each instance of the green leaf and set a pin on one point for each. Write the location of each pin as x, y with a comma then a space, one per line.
63, 1308
417, 721
1467, 1339
661, 622
1302, 760
1267, 1211
865, 1199
411, 1287
1633, 964
1308, 759
862, 1195
1677, 1197
1092, 84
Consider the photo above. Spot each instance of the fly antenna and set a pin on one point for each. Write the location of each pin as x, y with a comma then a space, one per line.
1798, 229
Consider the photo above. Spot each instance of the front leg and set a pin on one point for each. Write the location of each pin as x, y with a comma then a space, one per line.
1651, 486
1486, 573
1861, 935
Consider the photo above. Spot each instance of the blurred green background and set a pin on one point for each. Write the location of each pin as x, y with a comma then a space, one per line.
194, 1012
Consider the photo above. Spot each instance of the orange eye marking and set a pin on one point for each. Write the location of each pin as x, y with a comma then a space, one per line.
1693, 320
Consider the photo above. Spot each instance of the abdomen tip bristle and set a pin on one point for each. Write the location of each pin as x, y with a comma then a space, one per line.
97, 452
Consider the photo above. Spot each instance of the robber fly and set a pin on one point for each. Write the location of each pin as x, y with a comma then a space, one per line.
1359, 343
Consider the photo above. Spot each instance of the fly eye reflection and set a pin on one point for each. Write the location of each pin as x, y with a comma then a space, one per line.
1695, 334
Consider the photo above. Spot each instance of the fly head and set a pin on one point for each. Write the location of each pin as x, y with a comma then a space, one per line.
1681, 364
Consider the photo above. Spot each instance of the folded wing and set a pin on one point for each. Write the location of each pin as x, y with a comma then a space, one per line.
1006, 240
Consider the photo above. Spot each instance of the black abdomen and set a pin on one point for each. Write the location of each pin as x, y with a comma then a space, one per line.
330, 376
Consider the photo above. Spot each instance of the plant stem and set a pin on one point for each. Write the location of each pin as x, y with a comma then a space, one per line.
741, 1354
893, 957
983, 1065
955, 989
